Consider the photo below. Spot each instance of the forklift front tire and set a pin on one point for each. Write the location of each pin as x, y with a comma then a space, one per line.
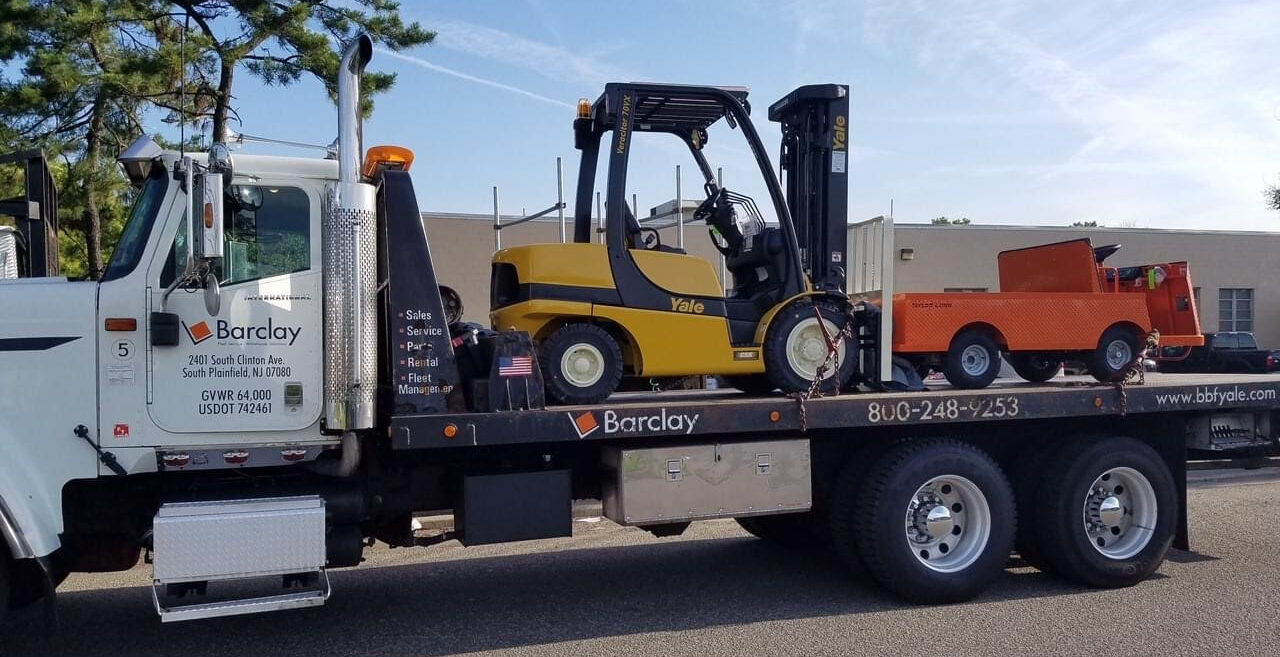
795, 347
581, 364
973, 361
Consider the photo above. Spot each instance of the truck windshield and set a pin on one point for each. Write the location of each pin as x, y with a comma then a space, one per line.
133, 239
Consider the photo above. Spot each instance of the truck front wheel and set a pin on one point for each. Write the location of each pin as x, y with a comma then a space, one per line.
1108, 517
959, 513
5, 568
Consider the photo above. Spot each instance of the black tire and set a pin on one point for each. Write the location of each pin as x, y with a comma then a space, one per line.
796, 316
5, 568
561, 388
1097, 360
1036, 368
797, 531
752, 384
867, 520
962, 369
1066, 547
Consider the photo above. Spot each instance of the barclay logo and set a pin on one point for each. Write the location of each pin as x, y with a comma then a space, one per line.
269, 333
586, 424
198, 332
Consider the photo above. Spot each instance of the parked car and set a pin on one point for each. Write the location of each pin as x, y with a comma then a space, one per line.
1231, 351
1273, 360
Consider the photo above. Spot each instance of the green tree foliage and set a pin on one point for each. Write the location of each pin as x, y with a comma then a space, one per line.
91, 69
1273, 197
946, 221
280, 41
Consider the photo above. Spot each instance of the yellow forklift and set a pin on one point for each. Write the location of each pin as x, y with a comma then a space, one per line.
635, 306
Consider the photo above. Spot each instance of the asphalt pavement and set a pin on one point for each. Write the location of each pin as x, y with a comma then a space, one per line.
714, 591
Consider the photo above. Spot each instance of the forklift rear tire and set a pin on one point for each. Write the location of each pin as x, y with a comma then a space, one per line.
794, 348
973, 361
1116, 351
581, 364
1036, 368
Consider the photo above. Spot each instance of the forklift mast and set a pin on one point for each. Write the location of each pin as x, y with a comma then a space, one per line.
36, 215
815, 162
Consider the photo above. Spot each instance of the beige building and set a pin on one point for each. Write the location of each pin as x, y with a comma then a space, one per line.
1235, 273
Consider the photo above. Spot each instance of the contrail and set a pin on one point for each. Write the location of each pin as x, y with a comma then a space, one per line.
471, 78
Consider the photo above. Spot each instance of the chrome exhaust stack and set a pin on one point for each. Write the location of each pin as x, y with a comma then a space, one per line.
350, 264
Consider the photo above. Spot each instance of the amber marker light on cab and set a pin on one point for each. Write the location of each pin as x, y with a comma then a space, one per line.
384, 158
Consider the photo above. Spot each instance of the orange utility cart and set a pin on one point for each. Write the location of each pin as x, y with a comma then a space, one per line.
1056, 302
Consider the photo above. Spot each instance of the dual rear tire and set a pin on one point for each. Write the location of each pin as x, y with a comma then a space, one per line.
935, 520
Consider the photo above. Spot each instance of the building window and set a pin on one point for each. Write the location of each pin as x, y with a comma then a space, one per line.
1235, 309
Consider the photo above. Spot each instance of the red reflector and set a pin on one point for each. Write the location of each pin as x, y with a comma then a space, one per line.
121, 324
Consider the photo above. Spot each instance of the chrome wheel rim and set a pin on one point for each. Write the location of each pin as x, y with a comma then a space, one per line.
807, 348
1119, 354
975, 360
582, 365
948, 523
1120, 512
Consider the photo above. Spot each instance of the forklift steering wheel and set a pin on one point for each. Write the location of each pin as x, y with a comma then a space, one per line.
707, 209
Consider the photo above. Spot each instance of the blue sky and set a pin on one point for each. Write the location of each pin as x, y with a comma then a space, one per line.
1007, 112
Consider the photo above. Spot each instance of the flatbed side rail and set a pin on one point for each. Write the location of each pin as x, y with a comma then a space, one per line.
716, 414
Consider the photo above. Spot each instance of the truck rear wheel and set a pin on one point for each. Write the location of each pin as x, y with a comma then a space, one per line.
959, 526
1036, 368
581, 364
1109, 515
972, 361
1117, 348
789, 530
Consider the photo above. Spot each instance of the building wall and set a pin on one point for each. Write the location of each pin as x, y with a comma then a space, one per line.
957, 257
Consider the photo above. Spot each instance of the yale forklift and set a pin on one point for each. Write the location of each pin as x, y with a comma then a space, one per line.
634, 306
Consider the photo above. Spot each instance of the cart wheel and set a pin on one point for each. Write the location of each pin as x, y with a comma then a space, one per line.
959, 517
1108, 516
789, 530
1116, 350
752, 384
1034, 367
581, 364
973, 361
795, 347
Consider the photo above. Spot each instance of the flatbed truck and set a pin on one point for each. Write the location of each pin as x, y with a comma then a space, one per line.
260, 390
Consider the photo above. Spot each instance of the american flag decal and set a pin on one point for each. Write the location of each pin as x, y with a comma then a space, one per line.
515, 366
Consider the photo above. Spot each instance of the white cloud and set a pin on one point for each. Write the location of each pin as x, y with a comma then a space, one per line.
1178, 97
510, 49
418, 61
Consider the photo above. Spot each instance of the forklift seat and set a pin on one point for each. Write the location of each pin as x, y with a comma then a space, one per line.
760, 266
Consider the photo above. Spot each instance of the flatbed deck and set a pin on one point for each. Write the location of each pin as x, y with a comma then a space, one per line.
711, 412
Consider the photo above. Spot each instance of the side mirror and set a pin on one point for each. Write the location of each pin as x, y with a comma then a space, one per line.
207, 224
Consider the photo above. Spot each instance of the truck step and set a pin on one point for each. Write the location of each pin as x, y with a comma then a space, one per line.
196, 543
219, 609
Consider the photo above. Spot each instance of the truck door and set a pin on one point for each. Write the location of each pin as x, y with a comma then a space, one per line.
255, 365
